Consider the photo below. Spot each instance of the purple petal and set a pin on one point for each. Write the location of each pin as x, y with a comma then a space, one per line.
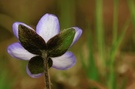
77, 35
16, 25
65, 61
48, 26
17, 51
32, 75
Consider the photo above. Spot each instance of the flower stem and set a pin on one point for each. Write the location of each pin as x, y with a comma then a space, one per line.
46, 72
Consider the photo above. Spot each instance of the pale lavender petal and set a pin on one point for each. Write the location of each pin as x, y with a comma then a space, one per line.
77, 35
64, 62
17, 51
16, 25
33, 75
48, 26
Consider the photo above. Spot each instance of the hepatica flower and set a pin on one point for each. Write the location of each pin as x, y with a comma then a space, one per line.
46, 42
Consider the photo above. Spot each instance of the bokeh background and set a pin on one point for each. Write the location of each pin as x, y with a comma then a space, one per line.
105, 52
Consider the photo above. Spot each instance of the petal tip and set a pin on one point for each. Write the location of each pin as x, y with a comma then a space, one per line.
33, 75
65, 61
9, 50
79, 30
77, 34
16, 25
17, 51
48, 26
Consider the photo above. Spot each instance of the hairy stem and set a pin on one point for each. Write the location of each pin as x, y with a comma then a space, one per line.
46, 72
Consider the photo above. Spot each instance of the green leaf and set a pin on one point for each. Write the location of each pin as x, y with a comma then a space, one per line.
36, 64
60, 43
50, 62
31, 41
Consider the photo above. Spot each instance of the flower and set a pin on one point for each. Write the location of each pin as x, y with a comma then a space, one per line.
46, 39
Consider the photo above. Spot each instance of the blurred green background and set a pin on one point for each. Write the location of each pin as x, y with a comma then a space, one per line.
105, 52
